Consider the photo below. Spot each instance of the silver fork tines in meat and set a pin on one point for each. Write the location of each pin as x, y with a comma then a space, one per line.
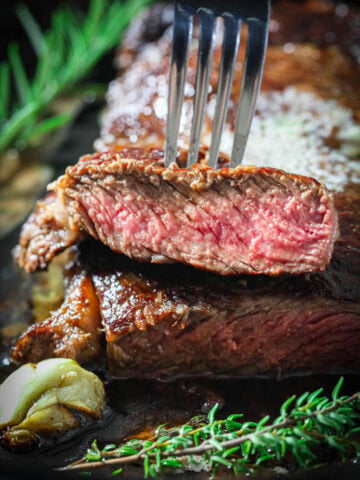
234, 13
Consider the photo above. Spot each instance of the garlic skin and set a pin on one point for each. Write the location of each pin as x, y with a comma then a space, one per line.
36, 399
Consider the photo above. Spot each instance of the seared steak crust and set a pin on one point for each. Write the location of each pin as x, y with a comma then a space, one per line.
72, 331
46, 233
230, 221
169, 320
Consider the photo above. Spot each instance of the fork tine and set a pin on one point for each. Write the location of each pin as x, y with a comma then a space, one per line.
255, 54
179, 59
231, 42
206, 46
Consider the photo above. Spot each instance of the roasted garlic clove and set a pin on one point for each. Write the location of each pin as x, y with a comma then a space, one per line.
36, 398
43, 422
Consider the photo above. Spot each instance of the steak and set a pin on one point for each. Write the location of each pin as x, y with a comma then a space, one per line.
72, 331
164, 321
45, 233
230, 221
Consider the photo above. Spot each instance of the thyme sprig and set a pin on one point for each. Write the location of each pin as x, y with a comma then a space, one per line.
306, 424
65, 54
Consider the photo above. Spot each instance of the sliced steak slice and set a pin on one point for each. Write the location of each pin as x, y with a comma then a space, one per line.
72, 331
46, 233
163, 321
229, 221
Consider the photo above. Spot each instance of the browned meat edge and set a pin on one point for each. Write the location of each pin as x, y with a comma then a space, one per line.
194, 200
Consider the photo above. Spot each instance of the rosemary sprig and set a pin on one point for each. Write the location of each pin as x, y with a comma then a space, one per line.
65, 54
305, 425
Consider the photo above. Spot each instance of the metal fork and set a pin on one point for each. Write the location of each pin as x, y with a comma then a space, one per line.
234, 12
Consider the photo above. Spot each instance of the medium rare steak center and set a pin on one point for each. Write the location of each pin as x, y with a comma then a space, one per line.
229, 221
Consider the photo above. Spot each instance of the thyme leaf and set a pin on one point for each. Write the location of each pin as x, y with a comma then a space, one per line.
305, 424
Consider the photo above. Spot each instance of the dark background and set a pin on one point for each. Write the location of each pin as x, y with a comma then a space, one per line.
10, 27
11, 30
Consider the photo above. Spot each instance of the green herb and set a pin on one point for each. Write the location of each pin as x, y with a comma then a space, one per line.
65, 54
306, 425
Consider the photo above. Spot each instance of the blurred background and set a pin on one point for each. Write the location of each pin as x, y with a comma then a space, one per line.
11, 30
52, 90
